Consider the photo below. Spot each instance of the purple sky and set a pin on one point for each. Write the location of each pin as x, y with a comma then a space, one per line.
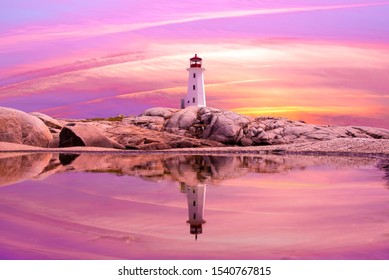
322, 61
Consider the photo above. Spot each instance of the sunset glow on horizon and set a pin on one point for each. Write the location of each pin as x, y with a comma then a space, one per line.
322, 61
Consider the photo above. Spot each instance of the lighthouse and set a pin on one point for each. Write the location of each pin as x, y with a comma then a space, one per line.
196, 93
196, 198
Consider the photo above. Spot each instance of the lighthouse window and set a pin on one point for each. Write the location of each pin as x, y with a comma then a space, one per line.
194, 191
194, 202
194, 216
194, 75
194, 87
194, 100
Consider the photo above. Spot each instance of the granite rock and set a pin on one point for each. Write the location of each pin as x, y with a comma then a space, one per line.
22, 128
78, 134
49, 121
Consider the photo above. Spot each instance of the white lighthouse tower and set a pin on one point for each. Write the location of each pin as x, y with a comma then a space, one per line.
196, 92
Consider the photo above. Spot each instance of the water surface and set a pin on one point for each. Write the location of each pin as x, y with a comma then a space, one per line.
102, 206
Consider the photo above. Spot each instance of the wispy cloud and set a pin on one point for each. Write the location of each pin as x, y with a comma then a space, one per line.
70, 67
100, 28
238, 82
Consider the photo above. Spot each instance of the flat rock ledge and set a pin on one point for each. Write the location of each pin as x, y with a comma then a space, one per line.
337, 147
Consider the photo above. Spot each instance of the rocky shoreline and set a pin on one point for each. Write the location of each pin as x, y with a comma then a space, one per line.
188, 131
339, 148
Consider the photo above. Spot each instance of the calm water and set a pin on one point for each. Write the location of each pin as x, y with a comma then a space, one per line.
193, 207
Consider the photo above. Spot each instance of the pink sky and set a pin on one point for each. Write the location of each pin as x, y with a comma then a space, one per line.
321, 61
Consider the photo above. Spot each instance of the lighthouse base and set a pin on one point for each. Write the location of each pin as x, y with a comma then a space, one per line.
183, 103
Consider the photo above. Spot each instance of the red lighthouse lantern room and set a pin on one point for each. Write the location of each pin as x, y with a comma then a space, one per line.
195, 62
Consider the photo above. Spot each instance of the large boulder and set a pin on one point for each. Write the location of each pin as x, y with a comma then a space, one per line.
223, 126
165, 113
53, 125
182, 119
77, 134
22, 128
49, 121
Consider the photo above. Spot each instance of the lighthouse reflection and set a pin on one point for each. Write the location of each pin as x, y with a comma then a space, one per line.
193, 173
196, 199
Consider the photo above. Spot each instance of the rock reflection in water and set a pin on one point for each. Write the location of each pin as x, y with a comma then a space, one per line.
297, 207
383, 165
195, 169
189, 169
16, 168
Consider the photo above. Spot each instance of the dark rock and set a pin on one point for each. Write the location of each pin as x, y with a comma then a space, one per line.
67, 159
85, 135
